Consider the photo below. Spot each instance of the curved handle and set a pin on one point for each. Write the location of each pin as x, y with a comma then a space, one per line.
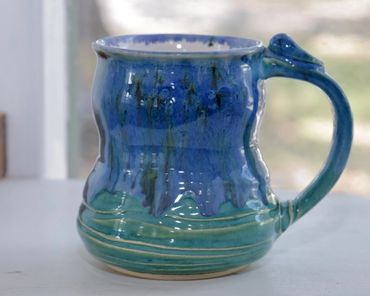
284, 58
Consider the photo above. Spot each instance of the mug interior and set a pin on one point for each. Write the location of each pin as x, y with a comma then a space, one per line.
176, 44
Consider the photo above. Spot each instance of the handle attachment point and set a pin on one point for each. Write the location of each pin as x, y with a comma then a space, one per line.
283, 51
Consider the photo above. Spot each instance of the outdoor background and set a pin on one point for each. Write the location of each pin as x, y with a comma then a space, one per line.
297, 126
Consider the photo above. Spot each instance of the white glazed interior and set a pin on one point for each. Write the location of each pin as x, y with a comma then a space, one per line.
174, 46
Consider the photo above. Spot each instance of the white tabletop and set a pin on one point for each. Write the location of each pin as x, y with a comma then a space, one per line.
326, 253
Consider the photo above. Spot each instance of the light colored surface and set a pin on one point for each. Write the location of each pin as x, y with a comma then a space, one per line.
326, 253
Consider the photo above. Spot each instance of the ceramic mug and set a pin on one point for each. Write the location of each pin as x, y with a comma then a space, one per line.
180, 190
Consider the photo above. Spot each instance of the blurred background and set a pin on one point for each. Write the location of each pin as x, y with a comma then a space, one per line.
297, 126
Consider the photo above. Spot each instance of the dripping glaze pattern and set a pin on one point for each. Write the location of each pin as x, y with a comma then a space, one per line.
180, 188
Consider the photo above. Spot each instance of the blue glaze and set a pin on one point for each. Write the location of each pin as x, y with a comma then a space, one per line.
180, 180
175, 126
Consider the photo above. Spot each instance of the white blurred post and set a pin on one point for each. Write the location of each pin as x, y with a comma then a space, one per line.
55, 89
33, 87
21, 85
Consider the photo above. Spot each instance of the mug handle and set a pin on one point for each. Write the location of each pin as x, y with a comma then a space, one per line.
284, 58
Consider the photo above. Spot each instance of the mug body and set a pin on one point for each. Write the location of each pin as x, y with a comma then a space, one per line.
179, 189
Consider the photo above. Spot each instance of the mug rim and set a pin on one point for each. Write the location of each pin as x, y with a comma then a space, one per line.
115, 45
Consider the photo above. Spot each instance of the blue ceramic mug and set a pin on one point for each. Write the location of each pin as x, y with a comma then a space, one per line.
180, 190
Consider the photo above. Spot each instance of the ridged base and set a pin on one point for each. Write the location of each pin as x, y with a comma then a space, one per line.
176, 277
188, 263
181, 244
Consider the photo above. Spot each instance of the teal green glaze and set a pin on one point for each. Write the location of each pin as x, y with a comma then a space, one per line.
119, 231
180, 187
284, 58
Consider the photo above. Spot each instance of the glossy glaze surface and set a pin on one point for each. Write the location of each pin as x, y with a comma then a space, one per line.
180, 187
